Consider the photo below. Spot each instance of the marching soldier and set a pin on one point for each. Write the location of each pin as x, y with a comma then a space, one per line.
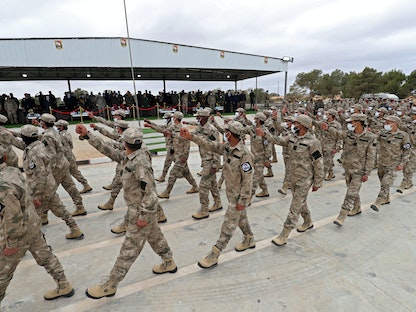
141, 199
306, 172
20, 232
394, 152
37, 167
359, 150
238, 174
62, 126
181, 149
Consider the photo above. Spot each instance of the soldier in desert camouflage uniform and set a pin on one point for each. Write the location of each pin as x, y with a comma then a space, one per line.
119, 114
117, 142
210, 166
394, 152
409, 167
306, 172
10, 106
359, 150
238, 174
329, 143
20, 232
8, 139
261, 149
168, 140
141, 198
62, 126
181, 149
37, 166
59, 164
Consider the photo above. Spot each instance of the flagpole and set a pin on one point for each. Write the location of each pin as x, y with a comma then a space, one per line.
131, 64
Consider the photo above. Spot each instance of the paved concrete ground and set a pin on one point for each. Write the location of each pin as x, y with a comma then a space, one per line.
366, 265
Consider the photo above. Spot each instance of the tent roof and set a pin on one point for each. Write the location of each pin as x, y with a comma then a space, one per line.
109, 59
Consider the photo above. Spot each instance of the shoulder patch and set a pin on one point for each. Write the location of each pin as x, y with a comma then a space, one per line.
143, 185
2, 207
316, 155
407, 146
32, 165
212, 138
265, 142
246, 166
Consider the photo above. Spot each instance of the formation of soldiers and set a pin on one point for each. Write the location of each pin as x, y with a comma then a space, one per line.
368, 135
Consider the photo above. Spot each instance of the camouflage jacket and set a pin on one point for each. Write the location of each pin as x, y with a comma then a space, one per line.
359, 150
260, 146
55, 150
208, 157
18, 217
137, 177
181, 146
305, 155
238, 164
7, 139
36, 165
394, 148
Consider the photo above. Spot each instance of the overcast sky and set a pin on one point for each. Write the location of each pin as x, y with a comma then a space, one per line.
319, 34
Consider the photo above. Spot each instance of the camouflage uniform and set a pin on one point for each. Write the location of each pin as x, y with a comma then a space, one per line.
329, 145
180, 168
261, 149
141, 198
409, 167
395, 150
20, 228
359, 151
37, 167
238, 174
306, 170
73, 167
60, 165
210, 166
7, 139
169, 146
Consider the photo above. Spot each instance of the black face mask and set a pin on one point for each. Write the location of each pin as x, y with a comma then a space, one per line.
28, 140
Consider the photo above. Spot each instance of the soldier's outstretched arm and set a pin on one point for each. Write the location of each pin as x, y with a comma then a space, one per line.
98, 144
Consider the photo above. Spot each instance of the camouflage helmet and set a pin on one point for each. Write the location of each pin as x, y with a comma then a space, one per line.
62, 123
392, 118
48, 118
359, 117
304, 120
178, 115
202, 113
133, 135
167, 115
120, 112
260, 116
234, 127
29, 131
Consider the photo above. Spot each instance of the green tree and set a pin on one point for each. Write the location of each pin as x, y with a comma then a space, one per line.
309, 81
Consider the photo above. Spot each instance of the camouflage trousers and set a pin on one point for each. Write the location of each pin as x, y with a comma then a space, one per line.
386, 175
168, 162
352, 197
232, 219
409, 169
116, 184
328, 159
258, 176
64, 178
286, 161
208, 183
298, 205
36, 244
180, 170
133, 244
74, 171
